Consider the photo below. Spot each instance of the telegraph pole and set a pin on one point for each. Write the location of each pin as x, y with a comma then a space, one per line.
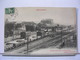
61, 32
27, 44
28, 34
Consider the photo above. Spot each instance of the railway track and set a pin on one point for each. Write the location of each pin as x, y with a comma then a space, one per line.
45, 42
49, 43
37, 40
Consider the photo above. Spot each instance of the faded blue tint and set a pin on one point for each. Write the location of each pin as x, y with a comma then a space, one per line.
37, 3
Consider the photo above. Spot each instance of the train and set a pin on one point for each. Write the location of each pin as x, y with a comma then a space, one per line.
25, 37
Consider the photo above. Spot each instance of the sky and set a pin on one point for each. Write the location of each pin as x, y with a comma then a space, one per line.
63, 16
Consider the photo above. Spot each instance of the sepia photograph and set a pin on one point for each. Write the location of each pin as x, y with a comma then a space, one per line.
40, 31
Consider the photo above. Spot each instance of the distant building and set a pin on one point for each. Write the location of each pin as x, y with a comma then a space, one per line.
47, 21
28, 26
47, 24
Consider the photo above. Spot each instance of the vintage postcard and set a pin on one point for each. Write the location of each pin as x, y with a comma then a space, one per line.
40, 31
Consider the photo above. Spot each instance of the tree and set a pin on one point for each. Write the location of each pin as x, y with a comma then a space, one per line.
9, 27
